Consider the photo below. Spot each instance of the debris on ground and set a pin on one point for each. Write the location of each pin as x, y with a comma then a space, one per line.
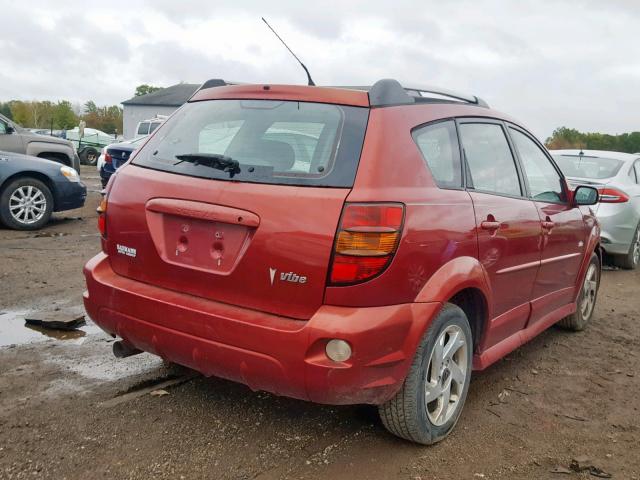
577, 418
502, 396
562, 470
50, 234
583, 464
159, 393
57, 320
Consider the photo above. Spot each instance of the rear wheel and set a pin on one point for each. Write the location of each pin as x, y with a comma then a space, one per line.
430, 401
586, 299
631, 260
26, 204
89, 156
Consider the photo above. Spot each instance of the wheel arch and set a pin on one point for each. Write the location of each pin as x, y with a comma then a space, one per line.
36, 175
474, 304
593, 246
58, 156
463, 282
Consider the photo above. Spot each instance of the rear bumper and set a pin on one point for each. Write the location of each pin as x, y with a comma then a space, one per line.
618, 223
105, 174
264, 351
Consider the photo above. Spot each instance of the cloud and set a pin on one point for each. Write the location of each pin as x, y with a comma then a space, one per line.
548, 63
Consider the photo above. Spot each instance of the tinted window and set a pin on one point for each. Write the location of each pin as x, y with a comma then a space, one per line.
3, 127
584, 166
153, 126
544, 180
637, 170
282, 142
143, 128
491, 167
439, 146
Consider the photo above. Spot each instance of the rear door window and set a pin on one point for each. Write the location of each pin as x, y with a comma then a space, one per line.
490, 165
282, 142
545, 183
438, 143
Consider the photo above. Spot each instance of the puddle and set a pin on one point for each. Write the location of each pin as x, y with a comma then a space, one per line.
13, 330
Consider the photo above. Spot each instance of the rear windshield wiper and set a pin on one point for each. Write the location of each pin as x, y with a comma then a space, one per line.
213, 160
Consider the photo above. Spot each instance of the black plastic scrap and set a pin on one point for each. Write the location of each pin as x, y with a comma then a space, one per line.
57, 320
582, 464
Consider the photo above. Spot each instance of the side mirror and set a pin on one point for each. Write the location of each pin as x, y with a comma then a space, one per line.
9, 129
584, 195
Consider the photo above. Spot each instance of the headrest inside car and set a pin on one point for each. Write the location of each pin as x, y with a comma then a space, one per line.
278, 154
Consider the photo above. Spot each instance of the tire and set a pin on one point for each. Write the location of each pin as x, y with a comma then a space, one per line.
408, 414
579, 320
89, 156
38, 211
631, 260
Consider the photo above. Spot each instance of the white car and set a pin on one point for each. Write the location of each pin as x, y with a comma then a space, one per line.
617, 177
147, 127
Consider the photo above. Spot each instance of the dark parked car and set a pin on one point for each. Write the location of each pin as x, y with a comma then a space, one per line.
114, 156
366, 245
32, 188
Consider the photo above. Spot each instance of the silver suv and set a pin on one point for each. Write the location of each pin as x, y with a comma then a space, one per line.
14, 138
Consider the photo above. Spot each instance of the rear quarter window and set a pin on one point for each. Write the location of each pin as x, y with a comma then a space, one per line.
438, 144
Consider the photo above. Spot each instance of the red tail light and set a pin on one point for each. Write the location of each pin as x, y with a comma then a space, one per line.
612, 195
102, 217
107, 157
366, 241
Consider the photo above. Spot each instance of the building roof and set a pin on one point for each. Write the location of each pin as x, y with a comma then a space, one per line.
173, 96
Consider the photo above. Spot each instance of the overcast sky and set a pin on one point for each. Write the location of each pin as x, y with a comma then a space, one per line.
547, 63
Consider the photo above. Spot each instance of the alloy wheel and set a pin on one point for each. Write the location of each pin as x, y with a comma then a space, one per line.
27, 204
446, 375
589, 291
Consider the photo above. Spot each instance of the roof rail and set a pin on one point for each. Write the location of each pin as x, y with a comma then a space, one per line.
387, 92
384, 93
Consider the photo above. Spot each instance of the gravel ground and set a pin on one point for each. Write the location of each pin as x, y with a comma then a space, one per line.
70, 410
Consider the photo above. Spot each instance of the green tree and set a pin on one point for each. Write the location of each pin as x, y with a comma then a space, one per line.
63, 116
90, 107
108, 118
20, 112
564, 137
5, 109
144, 89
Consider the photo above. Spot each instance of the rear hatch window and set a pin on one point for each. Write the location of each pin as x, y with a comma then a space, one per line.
584, 166
265, 141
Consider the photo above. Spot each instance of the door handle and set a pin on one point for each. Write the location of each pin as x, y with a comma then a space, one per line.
490, 225
548, 225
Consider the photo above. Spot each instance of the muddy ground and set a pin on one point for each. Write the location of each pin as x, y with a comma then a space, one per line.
70, 410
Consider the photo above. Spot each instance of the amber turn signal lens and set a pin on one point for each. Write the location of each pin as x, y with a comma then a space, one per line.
366, 243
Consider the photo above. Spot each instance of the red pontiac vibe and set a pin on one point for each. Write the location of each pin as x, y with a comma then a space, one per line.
343, 245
